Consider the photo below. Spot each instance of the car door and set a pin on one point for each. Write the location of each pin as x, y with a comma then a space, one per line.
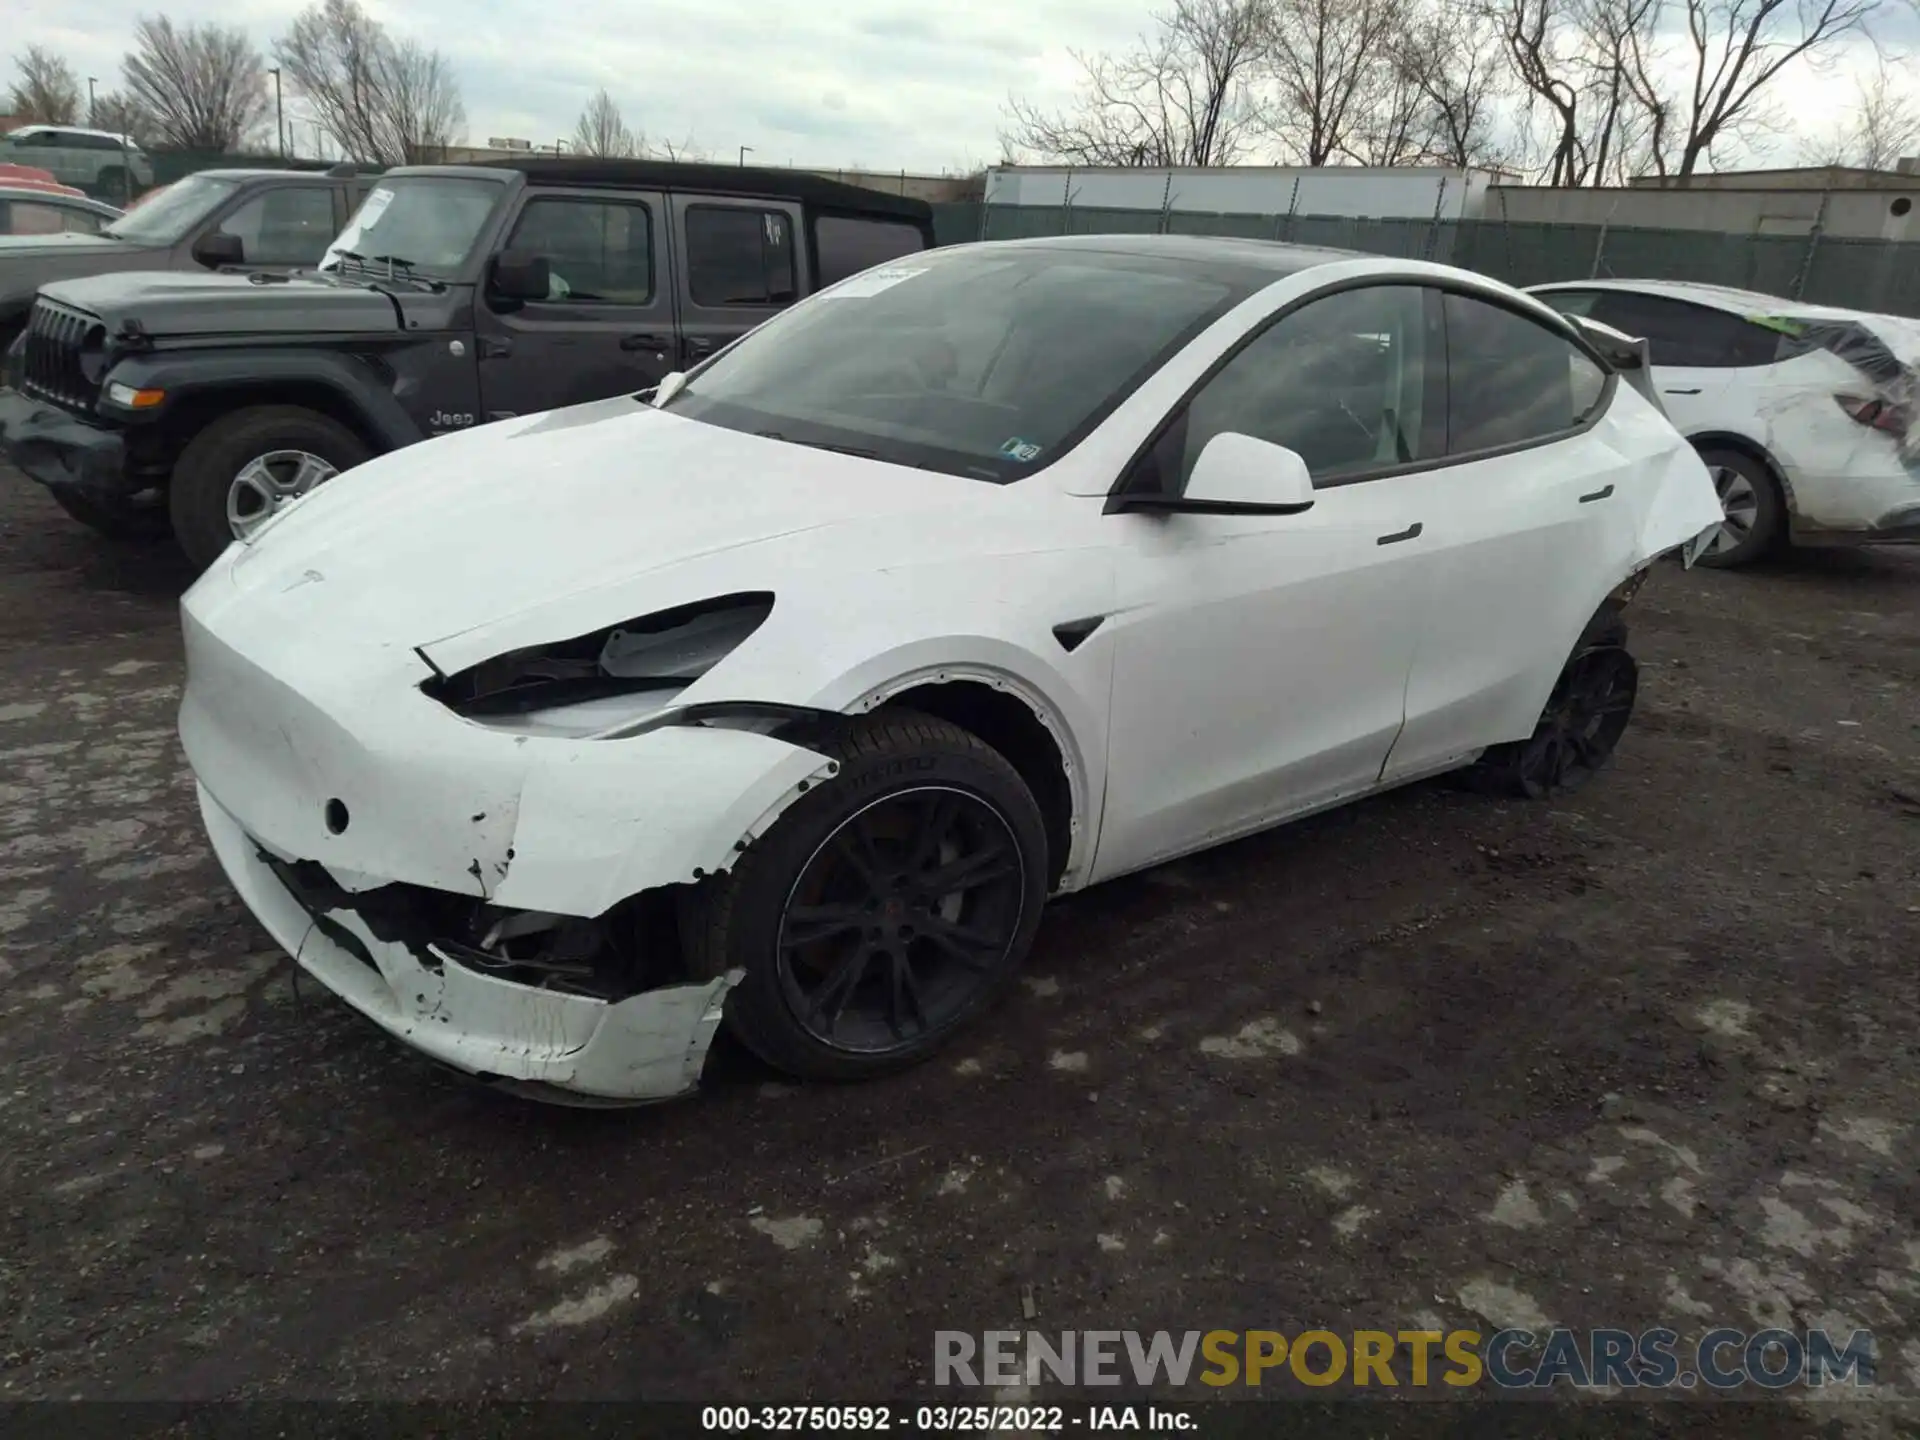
1530, 516
739, 262
1710, 366
1260, 662
606, 327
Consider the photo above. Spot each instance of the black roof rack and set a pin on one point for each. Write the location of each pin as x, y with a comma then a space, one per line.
745, 180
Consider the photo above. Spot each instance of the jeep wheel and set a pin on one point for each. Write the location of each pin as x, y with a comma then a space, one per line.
244, 466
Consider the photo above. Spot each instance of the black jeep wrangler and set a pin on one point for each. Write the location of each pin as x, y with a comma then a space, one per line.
455, 295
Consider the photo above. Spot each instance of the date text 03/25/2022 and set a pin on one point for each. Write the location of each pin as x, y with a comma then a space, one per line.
943, 1419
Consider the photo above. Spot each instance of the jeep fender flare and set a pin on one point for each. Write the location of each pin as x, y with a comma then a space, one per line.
184, 375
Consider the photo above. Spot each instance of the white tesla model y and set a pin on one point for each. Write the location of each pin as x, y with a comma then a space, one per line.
787, 697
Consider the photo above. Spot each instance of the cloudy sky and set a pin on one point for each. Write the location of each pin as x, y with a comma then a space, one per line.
884, 84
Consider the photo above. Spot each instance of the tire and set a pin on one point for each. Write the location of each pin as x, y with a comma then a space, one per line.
209, 469
1758, 526
132, 522
832, 854
1585, 716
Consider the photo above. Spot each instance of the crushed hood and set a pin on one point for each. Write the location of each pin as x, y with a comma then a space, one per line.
567, 521
220, 303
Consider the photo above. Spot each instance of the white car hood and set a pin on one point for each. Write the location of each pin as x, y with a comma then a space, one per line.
454, 535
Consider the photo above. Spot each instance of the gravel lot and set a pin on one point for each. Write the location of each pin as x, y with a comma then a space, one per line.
1645, 1057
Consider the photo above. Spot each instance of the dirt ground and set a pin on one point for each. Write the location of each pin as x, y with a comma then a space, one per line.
1645, 1057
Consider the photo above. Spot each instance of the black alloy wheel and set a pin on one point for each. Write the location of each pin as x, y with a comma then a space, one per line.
1584, 719
898, 919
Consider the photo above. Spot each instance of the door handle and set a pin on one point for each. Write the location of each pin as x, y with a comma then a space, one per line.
1677, 390
1596, 495
495, 347
644, 342
1409, 533
699, 345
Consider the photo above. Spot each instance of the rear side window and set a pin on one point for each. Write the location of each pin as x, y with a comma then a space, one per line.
1694, 336
845, 246
1511, 380
739, 256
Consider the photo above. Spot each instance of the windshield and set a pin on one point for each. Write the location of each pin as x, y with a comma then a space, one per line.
430, 222
172, 212
987, 363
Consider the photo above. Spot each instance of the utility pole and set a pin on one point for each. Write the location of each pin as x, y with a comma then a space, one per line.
745, 150
93, 106
279, 113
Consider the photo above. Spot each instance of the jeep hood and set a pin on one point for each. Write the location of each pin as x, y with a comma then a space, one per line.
165, 304
524, 530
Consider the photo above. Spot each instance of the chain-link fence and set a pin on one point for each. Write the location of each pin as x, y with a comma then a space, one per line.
1876, 275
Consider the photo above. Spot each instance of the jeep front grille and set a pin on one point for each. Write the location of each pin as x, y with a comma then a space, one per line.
56, 339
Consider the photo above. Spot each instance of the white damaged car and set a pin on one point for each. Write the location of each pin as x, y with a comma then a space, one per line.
788, 698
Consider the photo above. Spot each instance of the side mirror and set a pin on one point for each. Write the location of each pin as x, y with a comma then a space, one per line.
218, 248
669, 386
520, 276
1237, 475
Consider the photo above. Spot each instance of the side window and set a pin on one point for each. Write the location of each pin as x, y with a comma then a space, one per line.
598, 250
1693, 336
1571, 302
1512, 380
98, 142
285, 225
739, 257
845, 246
32, 219
1345, 382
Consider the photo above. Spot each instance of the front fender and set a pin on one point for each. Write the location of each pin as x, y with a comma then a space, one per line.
186, 374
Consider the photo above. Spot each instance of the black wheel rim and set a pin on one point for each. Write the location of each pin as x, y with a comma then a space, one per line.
901, 919
1583, 721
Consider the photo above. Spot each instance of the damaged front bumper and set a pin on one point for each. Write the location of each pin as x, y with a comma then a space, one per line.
546, 1043
408, 860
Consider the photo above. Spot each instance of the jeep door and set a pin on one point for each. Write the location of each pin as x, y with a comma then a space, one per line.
606, 326
739, 264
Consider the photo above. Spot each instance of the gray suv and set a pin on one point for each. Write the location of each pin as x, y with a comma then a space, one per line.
92, 159
254, 219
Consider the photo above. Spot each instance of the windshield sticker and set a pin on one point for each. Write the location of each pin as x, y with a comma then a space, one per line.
1781, 323
375, 207
873, 282
1018, 449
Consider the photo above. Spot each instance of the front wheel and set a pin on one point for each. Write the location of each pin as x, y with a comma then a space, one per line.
245, 466
884, 911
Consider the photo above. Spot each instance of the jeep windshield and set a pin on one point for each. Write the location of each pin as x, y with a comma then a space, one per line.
986, 363
172, 212
428, 224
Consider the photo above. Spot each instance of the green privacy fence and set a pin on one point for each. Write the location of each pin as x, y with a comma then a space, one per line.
1878, 275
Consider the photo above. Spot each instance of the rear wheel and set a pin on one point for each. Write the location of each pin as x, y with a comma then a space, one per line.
884, 911
1588, 712
1752, 508
243, 467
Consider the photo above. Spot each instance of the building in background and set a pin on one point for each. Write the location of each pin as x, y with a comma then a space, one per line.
1346, 191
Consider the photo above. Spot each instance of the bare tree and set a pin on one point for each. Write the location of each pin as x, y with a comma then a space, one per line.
1453, 58
47, 92
124, 116
204, 86
603, 131
1182, 96
1732, 50
1882, 126
382, 101
1331, 61
685, 148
